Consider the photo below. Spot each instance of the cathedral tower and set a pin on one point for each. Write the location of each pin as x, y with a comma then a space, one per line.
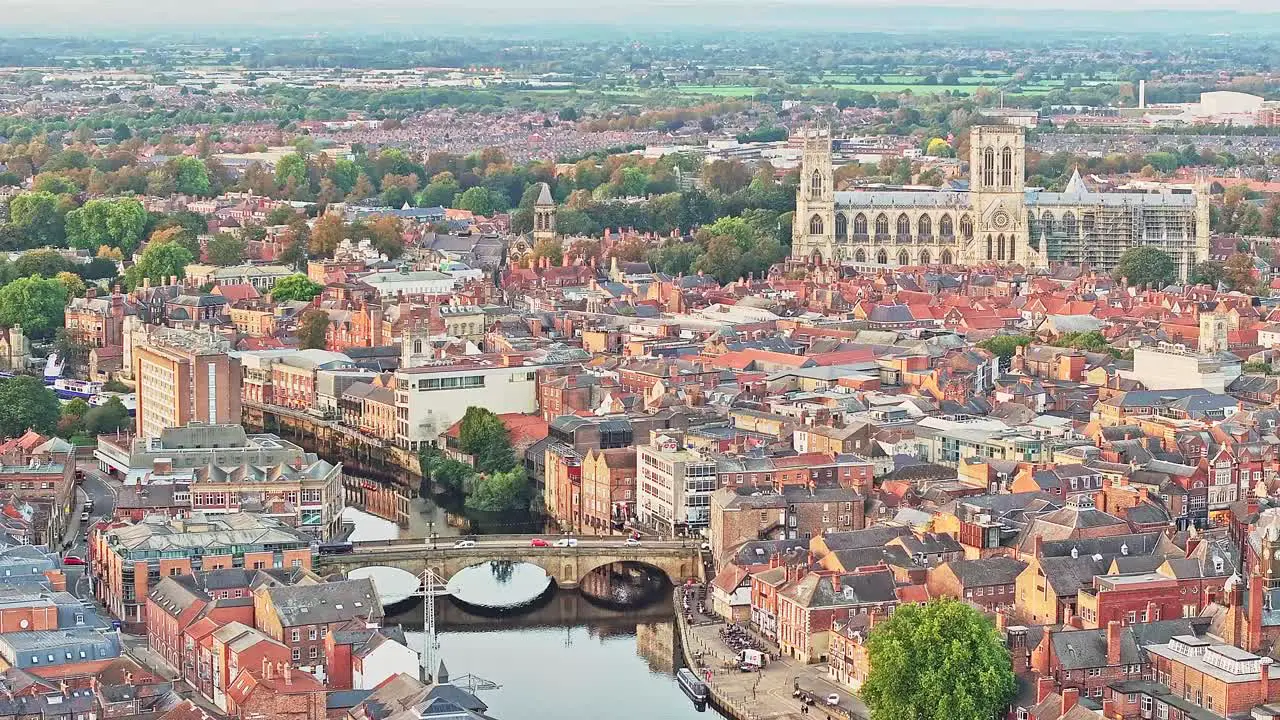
813, 231
544, 215
997, 184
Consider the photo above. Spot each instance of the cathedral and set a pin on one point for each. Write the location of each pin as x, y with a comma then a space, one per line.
997, 220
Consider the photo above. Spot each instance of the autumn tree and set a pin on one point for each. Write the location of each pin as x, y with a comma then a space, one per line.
312, 326
326, 234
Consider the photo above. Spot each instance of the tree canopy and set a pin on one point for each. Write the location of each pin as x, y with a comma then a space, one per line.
1005, 346
942, 661
226, 249
118, 223
159, 262
1146, 266
312, 326
26, 404
295, 287
35, 303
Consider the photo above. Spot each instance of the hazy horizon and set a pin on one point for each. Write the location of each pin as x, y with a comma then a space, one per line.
125, 17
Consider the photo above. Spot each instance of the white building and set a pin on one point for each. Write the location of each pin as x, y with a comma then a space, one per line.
378, 659
431, 397
674, 486
409, 282
1175, 367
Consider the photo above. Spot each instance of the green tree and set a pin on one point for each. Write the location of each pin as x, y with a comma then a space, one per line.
35, 303
312, 326
1257, 368
26, 404
159, 262
1237, 273
1005, 346
1208, 272
479, 200
190, 176
295, 287
483, 435
39, 217
500, 492
45, 263
943, 661
106, 418
439, 192
449, 474
226, 249
118, 223
1146, 266
291, 172
72, 282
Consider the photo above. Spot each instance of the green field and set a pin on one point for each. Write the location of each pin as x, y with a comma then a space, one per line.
721, 90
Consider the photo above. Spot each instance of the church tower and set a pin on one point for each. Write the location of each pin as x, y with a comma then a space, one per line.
544, 215
813, 232
997, 183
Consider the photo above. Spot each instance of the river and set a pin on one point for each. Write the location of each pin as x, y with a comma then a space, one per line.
563, 655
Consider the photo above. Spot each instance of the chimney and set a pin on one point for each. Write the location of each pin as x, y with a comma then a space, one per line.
128, 678
91, 292
1002, 620
1109, 709
1069, 698
835, 582
1152, 610
1037, 547
266, 669
1264, 679
1113, 643
288, 674
1076, 622
1044, 687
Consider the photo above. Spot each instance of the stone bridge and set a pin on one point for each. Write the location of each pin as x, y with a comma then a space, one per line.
566, 565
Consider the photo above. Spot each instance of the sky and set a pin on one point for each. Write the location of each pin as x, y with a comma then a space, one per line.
90, 16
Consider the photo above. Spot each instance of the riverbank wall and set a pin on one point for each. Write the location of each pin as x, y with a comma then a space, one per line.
732, 704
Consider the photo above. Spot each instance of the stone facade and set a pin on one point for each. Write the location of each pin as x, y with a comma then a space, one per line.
998, 220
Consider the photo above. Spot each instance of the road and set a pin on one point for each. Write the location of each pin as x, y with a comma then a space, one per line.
94, 487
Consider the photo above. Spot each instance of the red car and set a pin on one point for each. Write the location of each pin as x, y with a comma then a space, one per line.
72, 560
539, 542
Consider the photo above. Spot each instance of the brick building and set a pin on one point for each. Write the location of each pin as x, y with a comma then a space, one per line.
300, 616
986, 583
179, 385
608, 489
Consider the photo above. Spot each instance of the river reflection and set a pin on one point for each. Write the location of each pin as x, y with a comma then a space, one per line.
499, 584
562, 656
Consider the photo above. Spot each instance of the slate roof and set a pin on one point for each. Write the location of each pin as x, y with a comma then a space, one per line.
1080, 649
987, 571
330, 602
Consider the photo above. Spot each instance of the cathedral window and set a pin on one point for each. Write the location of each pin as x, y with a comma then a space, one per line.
925, 257
815, 225
815, 185
988, 167
1006, 168
859, 224
1000, 247
1048, 220
902, 258
882, 257
946, 257
924, 226
904, 225
966, 227
882, 224
860, 256
1069, 224
842, 226
945, 227
990, 255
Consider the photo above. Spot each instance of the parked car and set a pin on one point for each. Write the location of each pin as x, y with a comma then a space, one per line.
539, 542
72, 560
84, 517
833, 699
465, 544
566, 542
633, 542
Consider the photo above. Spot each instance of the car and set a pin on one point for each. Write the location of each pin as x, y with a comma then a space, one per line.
72, 560
539, 542
88, 506
84, 517
566, 542
706, 546
632, 542
833, 699
465, 544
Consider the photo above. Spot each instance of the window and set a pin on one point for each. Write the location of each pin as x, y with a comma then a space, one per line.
1146, 704
945, 227
312, 653
1131, 698
1133, 617
988, 167
904, 225
1095, 672
311, 634
1097, 692
882, 224
297, 654
295, 635
859, 224
1006, 168
815, 225
842, 226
